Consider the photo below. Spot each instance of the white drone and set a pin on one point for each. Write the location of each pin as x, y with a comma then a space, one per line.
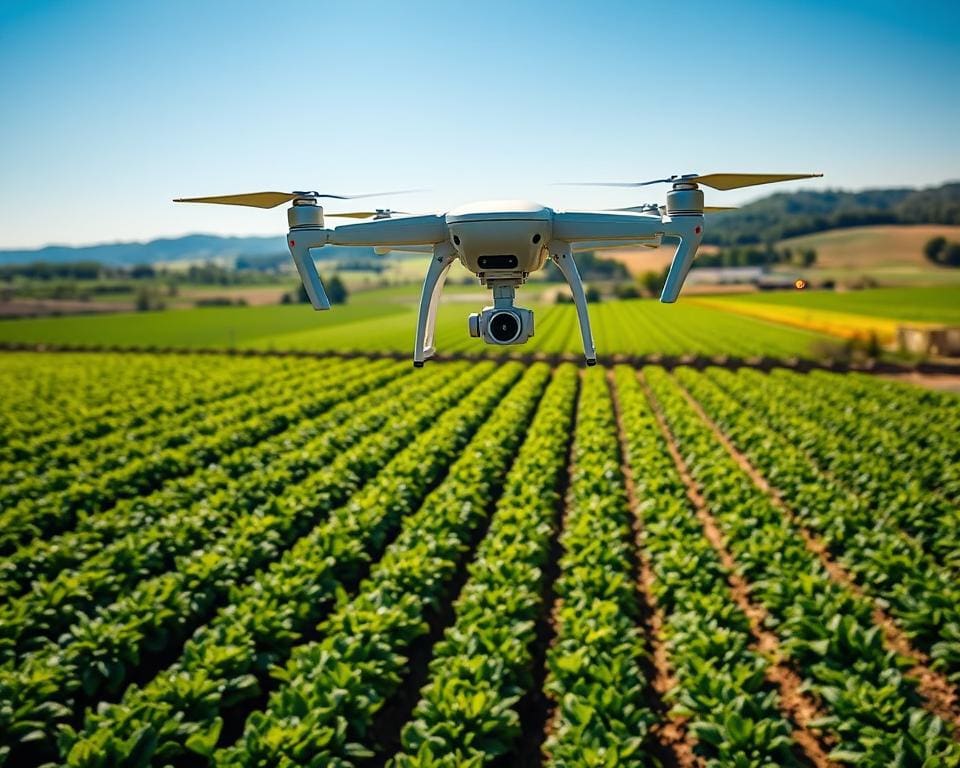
503, 242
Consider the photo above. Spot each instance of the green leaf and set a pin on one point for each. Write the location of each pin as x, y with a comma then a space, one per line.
205, 742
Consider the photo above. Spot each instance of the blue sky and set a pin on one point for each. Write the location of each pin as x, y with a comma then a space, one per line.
112, 108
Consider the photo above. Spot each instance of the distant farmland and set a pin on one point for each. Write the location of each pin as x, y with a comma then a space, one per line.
386, 320
637, 327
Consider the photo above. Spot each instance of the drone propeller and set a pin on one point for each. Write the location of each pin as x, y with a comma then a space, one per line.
273, 199
651, 208
723, 181
380, 213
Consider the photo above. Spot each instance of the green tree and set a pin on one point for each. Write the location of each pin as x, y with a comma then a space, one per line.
336, 290
809, 257
652, 282
951, 255
334, 287
934, 249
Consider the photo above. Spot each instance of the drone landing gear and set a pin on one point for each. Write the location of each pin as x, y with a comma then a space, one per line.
562, 256
444, 255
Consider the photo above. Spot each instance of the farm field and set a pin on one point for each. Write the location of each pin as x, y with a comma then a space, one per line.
387, 321
939, 304
883, 247
850, 314
221, 561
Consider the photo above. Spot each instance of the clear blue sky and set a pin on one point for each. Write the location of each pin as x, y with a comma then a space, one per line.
112, 108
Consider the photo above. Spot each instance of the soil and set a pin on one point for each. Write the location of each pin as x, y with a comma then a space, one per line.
799, 706
940, 697
676, 746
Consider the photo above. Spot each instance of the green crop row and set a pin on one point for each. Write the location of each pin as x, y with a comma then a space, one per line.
88, 494
53, 398
482, 666
924, 597
594, 675
826, 630
241, 480
915, 401
886, 483
332, 689
51, 606
899, 436
100, 655
57, 496
180, 712
720, 688
122, 436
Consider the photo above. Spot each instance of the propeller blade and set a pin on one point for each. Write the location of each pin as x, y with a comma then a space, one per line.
604, 183
650, 208
383, 213
375, 194
727, 181
273, 199
252, 199
719, 208
722, 181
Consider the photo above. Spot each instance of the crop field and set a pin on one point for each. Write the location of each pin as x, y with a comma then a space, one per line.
779, 325
220, 561
939, 304
369, 324
852, 314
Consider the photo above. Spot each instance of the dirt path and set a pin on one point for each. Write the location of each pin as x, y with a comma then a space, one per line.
938, 382
939, 695
800, 707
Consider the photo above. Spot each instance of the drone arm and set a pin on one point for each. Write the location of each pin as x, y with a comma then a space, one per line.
609, 227
562, 256
444, 255
588, 226
410, 230
300, 241
689, 229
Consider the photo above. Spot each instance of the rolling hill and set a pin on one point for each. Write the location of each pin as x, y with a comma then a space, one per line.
193, 248
786, 215
896, 245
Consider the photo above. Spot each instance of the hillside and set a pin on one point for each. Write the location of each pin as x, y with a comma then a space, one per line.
791, 214
871, 247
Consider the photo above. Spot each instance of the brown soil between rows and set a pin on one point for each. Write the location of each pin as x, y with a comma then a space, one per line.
550, 722
939, 695
670, 731
800, 707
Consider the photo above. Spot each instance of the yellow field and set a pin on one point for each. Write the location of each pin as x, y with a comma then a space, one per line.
846, 325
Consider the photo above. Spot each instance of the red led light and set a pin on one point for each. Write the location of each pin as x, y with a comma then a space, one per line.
292, 243
697, 230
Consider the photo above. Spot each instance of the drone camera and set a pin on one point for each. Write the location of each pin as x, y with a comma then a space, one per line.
496, 325
498, 261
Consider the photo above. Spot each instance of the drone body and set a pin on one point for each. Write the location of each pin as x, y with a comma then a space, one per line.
502, 242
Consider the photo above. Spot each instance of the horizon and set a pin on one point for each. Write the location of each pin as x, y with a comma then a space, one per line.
281, 233
117, 109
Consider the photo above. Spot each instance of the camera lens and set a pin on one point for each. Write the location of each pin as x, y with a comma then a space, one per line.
504, 327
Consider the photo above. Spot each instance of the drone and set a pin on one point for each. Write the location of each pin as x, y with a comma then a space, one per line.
503, 242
